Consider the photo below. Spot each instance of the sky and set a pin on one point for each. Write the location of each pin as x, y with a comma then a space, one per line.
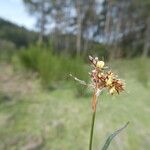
15, 11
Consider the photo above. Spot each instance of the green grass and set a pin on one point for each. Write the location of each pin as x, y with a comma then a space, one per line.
58, 120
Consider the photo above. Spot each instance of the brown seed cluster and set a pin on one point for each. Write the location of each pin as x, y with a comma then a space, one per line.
102, 79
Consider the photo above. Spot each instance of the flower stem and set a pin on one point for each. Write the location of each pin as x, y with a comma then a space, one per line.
94, 104
92, 128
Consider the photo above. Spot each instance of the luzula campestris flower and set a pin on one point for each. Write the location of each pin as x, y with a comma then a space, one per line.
102, 79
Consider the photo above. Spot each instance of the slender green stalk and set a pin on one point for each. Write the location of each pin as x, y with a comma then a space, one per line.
92, 129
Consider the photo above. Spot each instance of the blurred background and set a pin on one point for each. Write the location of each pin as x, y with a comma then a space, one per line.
42, 42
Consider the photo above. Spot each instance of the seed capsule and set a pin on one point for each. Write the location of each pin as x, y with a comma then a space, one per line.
100, 75
112, 91
109, 82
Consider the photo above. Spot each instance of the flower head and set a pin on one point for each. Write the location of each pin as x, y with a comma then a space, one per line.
102, 79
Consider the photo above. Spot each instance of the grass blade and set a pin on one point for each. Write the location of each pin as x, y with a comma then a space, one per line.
110, 138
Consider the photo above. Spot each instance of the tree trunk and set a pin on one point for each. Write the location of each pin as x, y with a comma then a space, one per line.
107, 29
146, 48
42, 23
79, 28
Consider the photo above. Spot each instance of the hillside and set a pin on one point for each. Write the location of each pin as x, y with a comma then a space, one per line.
19, 36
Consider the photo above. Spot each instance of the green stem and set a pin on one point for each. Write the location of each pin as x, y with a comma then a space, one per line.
92, 128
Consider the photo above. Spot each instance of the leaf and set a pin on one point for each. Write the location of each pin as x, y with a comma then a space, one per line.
110, 138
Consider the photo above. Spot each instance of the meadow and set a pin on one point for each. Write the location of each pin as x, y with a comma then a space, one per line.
57, 119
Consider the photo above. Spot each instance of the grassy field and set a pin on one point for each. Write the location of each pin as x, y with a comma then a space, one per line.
33, 118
